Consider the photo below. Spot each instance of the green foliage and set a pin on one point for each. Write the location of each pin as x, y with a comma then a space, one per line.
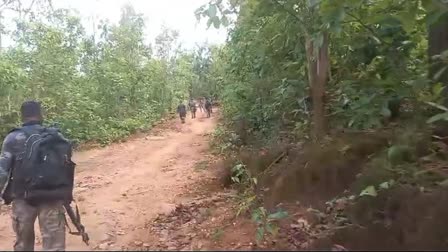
96, 88
267, 223
372, 191
246, 202
369, 191
224, 141
398, 154
440, 116
378, 57
247, 199
239, 173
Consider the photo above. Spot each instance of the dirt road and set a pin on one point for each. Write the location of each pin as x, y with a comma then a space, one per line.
121, 186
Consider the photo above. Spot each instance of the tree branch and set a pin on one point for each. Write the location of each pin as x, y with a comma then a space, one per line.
302, 24
372, 31
5, 4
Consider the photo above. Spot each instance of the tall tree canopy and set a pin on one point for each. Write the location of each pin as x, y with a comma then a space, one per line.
326, 64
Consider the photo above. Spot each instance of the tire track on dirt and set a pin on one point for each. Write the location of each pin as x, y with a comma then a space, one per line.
121, 186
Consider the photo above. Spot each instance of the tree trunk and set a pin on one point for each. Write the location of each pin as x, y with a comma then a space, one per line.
318, 65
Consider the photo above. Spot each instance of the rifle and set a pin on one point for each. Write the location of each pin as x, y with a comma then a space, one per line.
76, 220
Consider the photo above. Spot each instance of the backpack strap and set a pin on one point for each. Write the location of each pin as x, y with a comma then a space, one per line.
28, 132
15, 129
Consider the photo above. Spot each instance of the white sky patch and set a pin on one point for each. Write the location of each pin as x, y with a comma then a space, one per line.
175, 14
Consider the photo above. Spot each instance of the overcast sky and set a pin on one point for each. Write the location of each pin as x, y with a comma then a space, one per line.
176, 14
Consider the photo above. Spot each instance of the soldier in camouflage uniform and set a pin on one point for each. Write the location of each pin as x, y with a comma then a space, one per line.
192, 107
50, 215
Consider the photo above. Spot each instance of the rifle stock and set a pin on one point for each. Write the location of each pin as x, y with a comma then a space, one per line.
76, 220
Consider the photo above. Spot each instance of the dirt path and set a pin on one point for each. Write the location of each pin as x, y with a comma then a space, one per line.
121, 186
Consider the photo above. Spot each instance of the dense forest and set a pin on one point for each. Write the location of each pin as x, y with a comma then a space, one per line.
96, 87
338, 104
322, 65
343, 100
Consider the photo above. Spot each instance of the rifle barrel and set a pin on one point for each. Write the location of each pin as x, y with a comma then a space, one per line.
76, 222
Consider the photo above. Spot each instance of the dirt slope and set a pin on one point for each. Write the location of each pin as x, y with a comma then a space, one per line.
121, 186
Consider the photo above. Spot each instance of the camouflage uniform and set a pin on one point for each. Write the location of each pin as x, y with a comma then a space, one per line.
192, 106
208, 107
51, 216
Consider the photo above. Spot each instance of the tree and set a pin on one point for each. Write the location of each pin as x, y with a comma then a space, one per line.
166, 42
23, 8
278, 53
316, 44
96, 88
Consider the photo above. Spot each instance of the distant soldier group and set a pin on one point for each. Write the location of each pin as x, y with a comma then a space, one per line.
204, 104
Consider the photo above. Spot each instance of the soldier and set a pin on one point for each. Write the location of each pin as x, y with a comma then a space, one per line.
192, 107
17, 190
208, 107
201, 105
211, 104
182, 110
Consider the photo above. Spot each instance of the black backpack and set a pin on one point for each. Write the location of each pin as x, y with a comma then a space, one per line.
46, 171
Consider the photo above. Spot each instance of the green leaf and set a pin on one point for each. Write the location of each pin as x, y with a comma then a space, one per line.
256, 216
439, 73
209, 22
397, 153
269, 227
278, 215
225, 21
438, 117
272, 229
407, 17
211, 12
437, 89
387, 184
369, 191
260, 234
441, 107
216, 22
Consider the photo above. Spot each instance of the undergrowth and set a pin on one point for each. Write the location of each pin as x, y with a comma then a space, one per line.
248, 201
